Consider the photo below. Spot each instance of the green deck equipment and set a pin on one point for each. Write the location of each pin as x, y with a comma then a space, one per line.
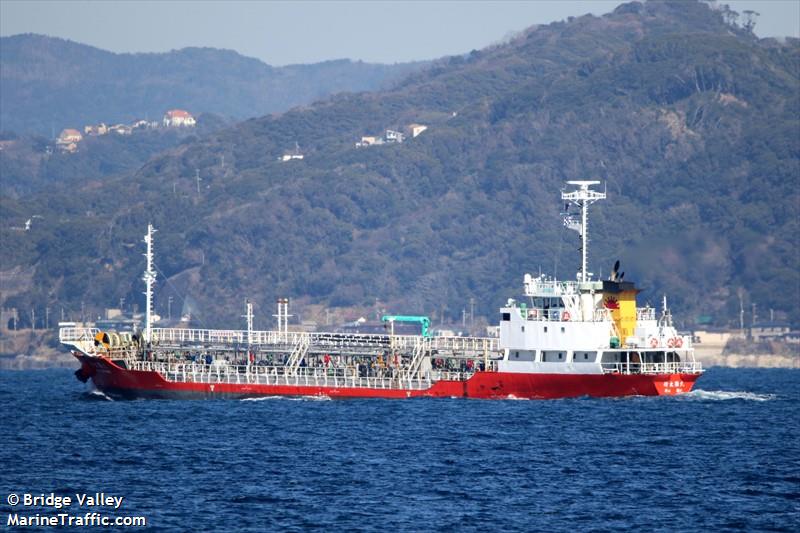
424, 321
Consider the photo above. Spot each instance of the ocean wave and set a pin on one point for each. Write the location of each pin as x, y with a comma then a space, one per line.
700, 394
512, 397
96, 394
321, 398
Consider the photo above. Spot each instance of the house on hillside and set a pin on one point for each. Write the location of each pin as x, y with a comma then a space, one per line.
144, 125
294, 154
178, 118
120, 129
68, 140
98, 129
394, 136
369, 141
415, 129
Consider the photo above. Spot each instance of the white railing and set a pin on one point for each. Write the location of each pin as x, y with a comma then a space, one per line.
323, 340
347, 377
557, 315
76, 334
465, 344
645, 313
677, 343
317, 341
541, 287
676, 367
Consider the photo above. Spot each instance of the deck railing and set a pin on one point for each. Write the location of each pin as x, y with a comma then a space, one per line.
676, 367
645, 313
347, 377
77, 334
317, 341
540, 314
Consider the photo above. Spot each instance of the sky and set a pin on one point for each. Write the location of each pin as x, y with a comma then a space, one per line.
283, 32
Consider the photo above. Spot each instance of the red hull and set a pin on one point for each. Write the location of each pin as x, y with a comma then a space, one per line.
117, 381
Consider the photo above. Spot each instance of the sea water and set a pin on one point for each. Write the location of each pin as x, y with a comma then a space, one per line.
724, 457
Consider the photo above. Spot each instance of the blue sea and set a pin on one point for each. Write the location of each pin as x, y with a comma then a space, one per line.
724, 457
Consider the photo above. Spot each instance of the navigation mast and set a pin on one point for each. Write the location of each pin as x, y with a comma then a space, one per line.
149, 279
582, 197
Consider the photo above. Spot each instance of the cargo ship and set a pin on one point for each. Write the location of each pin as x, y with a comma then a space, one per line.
559, 339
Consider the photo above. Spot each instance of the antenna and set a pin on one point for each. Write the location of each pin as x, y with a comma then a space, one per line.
283, 317
582, 197
149, 279
249, 316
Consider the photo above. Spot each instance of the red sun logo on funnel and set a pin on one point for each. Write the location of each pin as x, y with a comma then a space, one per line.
611, 303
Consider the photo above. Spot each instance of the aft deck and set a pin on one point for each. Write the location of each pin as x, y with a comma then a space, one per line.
349, 377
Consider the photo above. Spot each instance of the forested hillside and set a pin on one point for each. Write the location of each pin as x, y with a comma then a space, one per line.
33, 163
49, 84
692, 122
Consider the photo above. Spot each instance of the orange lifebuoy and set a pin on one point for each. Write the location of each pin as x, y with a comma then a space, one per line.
653, 342
565, 316
670, 343
678, 342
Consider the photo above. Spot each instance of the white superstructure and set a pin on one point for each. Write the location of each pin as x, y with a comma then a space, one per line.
588, 326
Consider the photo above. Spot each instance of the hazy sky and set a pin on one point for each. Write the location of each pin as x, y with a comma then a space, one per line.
280, 32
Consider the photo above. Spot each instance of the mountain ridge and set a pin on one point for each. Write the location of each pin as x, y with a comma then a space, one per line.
53, 82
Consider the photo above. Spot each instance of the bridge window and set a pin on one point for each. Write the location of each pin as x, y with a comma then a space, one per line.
524, 355
506, 317
549, 356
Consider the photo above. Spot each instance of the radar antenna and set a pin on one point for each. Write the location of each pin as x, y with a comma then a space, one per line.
583, 196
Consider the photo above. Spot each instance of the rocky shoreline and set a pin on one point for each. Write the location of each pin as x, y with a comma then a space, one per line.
734, 360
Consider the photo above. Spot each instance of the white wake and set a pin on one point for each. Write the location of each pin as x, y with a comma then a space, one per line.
288, 398
714, 395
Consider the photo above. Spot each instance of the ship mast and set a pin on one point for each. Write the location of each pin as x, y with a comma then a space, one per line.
149, 279
249, 316
582, 197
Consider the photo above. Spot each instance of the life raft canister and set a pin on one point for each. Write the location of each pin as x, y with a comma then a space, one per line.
565, 316
654, 342
678, 342
670, 343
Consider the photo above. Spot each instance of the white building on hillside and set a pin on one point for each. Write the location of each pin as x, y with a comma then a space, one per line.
176, 118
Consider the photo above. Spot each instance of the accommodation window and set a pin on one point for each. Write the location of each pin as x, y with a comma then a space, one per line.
545, 329
562, 329
523, 328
